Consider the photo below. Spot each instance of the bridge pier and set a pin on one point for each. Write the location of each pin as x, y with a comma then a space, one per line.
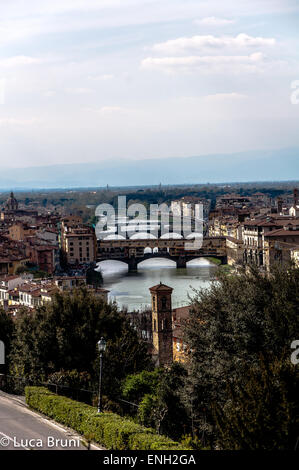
181, 262
132, 263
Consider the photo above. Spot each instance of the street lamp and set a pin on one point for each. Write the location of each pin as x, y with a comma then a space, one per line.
102, 348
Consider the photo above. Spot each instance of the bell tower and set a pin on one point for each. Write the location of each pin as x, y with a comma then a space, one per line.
162, 323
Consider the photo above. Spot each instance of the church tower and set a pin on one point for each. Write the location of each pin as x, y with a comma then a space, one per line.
11, 203
162, 324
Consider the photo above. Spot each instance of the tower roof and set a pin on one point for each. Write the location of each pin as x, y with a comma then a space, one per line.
161, 288
11, 203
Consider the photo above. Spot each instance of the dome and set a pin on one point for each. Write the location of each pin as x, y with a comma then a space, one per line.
11, 203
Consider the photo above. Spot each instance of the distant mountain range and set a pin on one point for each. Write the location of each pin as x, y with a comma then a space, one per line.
266, 165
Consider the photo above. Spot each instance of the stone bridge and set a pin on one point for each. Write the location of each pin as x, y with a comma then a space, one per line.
132, 252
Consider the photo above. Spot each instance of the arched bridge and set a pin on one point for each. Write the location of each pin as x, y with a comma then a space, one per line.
133, 252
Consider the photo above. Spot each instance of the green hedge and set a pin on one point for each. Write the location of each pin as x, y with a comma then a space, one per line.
108, 429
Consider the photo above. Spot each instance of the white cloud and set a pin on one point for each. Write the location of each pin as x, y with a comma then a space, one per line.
104, 77
196, 43
219, 97
2, 90
79, 91
213, 21
50, 93
18, 122
107, 110
20, 19
66, 6
111, 109
19, 61
209, 63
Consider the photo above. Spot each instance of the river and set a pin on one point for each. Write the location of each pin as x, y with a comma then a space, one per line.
131, 290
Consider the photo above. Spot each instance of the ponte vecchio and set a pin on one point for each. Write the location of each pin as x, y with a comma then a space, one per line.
132, 252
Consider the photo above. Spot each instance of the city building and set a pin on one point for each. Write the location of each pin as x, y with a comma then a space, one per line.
280, 247
78, 241
179, 317
8, 283
23, 291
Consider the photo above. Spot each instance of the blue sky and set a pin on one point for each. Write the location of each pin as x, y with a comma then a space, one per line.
93, 80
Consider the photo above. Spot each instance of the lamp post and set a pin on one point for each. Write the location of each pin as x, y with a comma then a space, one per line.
102, 348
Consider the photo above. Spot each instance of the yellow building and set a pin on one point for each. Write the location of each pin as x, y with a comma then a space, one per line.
179, 316
295, 256
78, 242
20, 231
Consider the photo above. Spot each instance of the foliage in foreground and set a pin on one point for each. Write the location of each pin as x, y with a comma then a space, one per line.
158, 394
63, 336
6, 332
262, 411
234, 324
107, 429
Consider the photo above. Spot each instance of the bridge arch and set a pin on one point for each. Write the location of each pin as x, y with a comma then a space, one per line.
171, 236
142, 236
172, 262
114, 237
106, 266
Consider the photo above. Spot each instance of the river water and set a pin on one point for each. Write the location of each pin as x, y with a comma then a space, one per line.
131, 290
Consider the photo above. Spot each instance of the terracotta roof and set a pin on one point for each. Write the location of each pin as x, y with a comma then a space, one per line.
177, 333
78, 234
28, 288
161, 288
235, 240
44, 247
271, 223
181, 313
8, 277
49, 229
66, 278
283, 233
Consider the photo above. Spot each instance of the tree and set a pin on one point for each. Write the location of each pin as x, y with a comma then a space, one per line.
63, 335
6, 332
158, 394
231, 325
136, 386
262, 410
93, 278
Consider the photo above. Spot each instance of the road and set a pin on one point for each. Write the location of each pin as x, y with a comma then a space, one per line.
23, 429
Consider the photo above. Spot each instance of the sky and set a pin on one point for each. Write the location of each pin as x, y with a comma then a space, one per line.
102, 80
